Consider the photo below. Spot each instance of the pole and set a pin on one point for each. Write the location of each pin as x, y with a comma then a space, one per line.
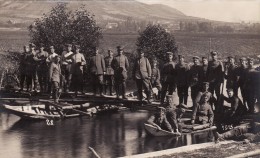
94, 152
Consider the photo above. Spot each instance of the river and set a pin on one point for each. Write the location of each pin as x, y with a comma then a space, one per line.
111, 135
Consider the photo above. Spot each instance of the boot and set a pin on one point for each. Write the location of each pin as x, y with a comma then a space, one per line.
163, 94
110, 90
185, 100
101, 90
105, 89
180, 99
123, 91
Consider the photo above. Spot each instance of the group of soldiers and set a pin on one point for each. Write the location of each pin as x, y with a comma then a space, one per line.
53, 72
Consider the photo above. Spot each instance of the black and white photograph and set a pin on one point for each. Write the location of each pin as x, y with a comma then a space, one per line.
129, 78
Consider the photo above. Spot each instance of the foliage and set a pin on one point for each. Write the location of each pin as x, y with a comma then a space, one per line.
62, 26
154, 41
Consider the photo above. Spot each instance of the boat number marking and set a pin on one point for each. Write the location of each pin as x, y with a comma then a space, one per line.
49, 122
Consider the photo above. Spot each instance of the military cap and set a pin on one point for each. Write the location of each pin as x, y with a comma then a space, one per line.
230, 57
154, 60
41, 45
229, 89
242, 59
32, 45
205, 83
169, 96
169, 53
195, 57
213, 53
140, 51
181, 56
250, 59
51, 47
77, 47
109, 50
69, 45
161, 108
119, 48
204, 57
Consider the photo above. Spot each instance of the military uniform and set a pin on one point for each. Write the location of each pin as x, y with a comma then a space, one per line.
203, 114
142, 74
42, 70
55, 77
231, 77
241, 75
182, 73
66, 68
250, 86
22, 69
120, 65
109, 76
194, 81
97, 69
162, 122
215, 76
78, 61
168, 79
31, 73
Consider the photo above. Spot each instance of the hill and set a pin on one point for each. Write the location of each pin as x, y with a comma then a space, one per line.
113, 10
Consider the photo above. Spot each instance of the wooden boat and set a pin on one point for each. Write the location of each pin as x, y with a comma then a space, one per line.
51, 110
150, 129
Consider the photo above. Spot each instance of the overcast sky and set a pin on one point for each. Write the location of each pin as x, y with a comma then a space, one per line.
223, 10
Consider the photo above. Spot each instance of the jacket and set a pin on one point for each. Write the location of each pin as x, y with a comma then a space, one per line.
55, 72
97, 65
142, 69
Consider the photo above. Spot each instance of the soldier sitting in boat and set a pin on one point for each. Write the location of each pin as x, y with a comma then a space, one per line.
233, 114
159, 120
204, 91
202, 113
174, 113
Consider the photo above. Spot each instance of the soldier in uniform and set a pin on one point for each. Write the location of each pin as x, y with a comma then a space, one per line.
204, 91
241, 77
182, 72
215, 74
31, 68
66, 66
194, 78
156, 77
109, 75
78, 61
231, 75
42, 68
250, 85
203, 71
55, 77
49, 60
203, 114
168, 77
257, 79
142, 75
120, 65
97, 70
22, 66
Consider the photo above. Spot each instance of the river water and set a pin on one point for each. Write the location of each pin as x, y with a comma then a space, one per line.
111, 135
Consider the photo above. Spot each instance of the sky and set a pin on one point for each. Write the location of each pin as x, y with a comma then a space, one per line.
221, 10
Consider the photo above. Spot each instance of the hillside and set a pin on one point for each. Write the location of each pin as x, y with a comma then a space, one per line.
114, 10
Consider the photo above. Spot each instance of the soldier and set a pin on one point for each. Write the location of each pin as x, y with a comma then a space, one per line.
66, 66
22, 66
250, 85
194, 78
156, 77
257, 89
120, 65
31, 68
49, 60
168, 77
215, 74
142, 75
203, 114
231, 75
42, 68
109, 75
237, 109
55, 77
182, 72
241, 77
160, 121
203, 71
97, 70
78, 61
204, 91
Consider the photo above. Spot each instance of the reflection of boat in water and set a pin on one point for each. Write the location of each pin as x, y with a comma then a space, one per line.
150, 129
50, 110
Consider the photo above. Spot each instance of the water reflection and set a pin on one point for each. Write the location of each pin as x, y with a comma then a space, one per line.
111, 135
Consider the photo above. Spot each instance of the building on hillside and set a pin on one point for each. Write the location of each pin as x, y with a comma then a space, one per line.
111, 25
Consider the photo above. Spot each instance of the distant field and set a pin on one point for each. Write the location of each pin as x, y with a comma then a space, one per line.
189, 44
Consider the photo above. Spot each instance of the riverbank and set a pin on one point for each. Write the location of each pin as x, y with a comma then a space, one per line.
212, 150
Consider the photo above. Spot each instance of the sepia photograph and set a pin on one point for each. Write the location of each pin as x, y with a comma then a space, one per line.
129, 78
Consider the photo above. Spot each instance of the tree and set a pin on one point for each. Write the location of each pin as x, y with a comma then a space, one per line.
155, 42
62, 26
